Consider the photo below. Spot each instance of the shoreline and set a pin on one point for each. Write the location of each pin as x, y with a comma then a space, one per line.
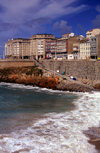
68, 87
35, 76
93, 140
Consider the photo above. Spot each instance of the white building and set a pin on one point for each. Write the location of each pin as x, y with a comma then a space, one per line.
70, 57
85, 50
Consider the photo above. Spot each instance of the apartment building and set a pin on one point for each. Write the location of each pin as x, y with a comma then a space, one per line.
73, 47
61, 51
91, 48
43, 46
76, 50
38, 45
94, 48
92, 33
18, 49
66, 47
98, 46
51, 48
85, 50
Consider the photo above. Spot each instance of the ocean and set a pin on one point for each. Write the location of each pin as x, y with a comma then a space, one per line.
36, 120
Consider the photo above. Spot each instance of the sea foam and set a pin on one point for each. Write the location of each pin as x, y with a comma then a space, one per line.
58, 133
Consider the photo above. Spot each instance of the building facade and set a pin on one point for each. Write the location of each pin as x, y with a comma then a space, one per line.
18, 49
98, 46
43, 46
91, 48
51, 48
92, 33
56, 48
85, 50
94, 48
61, 51
38, 45
76, 50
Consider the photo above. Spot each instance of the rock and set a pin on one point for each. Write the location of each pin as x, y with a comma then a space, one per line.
97, 85
69, 86
37, 77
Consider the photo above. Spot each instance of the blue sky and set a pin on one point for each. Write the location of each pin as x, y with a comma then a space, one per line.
23, 18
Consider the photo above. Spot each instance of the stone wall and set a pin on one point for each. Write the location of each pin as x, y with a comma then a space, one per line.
16, 63
81, 69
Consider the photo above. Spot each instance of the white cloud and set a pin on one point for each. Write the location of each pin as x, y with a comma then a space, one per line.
62, 27
17, 10
98, 8
30, 16
20, 10
96, 21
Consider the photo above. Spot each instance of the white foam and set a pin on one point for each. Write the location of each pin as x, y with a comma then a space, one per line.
15, 85
58, 133
38, 89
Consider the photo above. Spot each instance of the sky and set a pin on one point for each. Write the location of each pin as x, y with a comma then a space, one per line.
24, 18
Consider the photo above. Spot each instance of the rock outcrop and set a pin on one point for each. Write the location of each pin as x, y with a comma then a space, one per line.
35, 76
73, 86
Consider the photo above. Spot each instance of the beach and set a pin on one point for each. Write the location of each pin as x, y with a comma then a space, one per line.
58, 128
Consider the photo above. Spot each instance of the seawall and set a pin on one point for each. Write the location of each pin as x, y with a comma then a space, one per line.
38, 77
15, 63
83, 69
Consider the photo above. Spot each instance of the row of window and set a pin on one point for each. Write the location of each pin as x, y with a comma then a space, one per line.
85, 53
84, 48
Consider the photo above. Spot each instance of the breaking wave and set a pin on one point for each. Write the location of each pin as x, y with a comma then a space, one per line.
57, 132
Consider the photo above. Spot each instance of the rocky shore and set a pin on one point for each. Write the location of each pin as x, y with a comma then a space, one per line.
94, 137
36, 76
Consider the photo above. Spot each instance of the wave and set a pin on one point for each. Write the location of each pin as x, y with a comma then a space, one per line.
29, 87
60, 133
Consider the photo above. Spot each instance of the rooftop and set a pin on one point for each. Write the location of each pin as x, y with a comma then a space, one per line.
20, 39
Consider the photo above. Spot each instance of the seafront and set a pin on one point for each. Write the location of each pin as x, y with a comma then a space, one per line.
42, 75
49, 74
43, 120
